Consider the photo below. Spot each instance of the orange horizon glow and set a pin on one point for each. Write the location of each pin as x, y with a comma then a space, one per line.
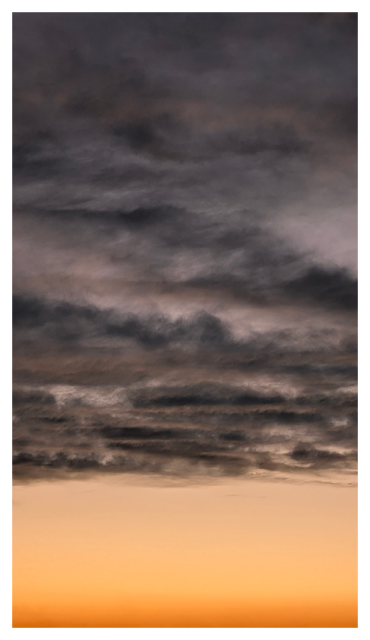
115, 552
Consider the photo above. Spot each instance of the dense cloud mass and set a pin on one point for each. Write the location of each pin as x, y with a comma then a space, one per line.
185, 250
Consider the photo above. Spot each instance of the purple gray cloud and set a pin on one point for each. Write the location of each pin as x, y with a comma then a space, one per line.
185, 251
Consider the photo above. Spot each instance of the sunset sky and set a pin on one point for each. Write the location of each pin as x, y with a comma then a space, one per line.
185, 320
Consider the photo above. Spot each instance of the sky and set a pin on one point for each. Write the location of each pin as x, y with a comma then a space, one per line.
107, 553
185, 274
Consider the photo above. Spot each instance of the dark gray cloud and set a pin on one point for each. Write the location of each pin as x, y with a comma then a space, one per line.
322, 458
333, 288
23, 396
185, 287
67, 322
201, 395
210, 429
156, 56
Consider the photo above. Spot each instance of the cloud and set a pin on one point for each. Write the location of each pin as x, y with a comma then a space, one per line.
201, 395
63, 321
22, 396
138, 433
127, 56
136, 219
180, 431
185, 287
321, 458
332, 288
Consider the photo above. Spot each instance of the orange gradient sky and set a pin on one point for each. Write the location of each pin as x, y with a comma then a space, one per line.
117, 552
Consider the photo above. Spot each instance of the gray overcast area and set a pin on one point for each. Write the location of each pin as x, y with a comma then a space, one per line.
185, 244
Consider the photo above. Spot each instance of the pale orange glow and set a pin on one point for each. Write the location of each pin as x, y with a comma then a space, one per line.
117, 553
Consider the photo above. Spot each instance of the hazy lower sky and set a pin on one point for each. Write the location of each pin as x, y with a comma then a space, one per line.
185, 251
111, 552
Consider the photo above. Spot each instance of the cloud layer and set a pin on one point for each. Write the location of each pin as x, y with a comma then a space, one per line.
185, 263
